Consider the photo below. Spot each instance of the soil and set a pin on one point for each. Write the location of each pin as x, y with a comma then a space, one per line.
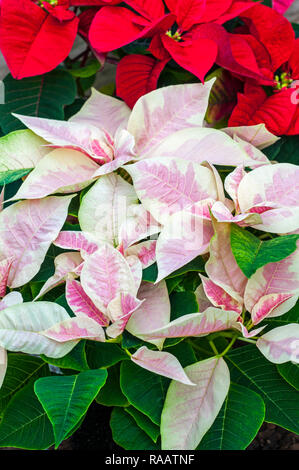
95, 434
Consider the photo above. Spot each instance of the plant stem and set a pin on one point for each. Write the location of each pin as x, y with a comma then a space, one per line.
213, 347
228, 347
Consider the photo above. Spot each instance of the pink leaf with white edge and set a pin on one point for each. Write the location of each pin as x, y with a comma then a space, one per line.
195, 324
75, 329
166, 110
60, 171
219, 297
21, 149
145, 251
281, 344
21, 327
104, 207
103, 112
120, 310
202, 299
89, 139
105, 274
198, 145
222, 214
5, 266
81, 304
161, 363
169, 185
3, 364
222, 267
277, 278
139, 224
276, 188
232, 182
257, 135
66, 265
153, 313
136, 269
81, 241
257, 156
266, 305
189, 412
13, 298
185, 236
27, 230
239, 326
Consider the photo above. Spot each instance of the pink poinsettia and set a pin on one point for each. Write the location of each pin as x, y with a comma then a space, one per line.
188, 32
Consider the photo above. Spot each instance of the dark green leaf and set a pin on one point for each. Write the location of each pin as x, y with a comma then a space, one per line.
127, 434
290, 372
101, 355
251, 253
111, 394
75, 359
67, 398
42, 95
238, 421
144, 423
10, 176
250, 368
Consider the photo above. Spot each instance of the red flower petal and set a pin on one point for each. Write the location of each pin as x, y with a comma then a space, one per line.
157, 48
137, 75
151, 9
281, 5
61, 11
93, 3
255, 107
235, 9
273, 30
188, 12
85, 20
31, 40
215, 9
197, 56
293, 64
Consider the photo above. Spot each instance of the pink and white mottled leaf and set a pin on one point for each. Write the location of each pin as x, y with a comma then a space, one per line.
277, 278
104, 207
167, 110
266, 305
139, 224
105, 274
257, 135
27, 230
223, 214
3, 364
239, 326
81, 304
75, 328
120, 310
60, 171
281, 344
13, 298
5, 266
145, 251
189, 412
21, 328
218, 296
162, 363
169, 185
185, 236
202, 299
21, 149
136, 269
257, 156
65, 268
104, 112
82, 241
222, 267
195, 324
153, 313
232, 182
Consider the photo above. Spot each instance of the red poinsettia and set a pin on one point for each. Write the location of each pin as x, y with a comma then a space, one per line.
37, 35
190, 32
272, 39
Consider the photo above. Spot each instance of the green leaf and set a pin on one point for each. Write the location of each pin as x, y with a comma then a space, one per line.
145, 390
111, 394
251, 253
238, 421
150, 274
184, 353
144, 423
285, 150
21, 369
10, 176
248, 367
102, 355
292, 316
25, 423
290, 372
42, 95
87, 71
127, 434
75, 359
181, 303
67, 398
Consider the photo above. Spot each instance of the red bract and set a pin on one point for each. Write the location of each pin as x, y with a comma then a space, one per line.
35, 39
190, 33
277, 54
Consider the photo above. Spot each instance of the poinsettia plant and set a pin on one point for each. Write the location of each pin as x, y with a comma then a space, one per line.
149, 247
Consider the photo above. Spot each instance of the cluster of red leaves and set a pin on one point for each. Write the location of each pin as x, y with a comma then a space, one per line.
261, 51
